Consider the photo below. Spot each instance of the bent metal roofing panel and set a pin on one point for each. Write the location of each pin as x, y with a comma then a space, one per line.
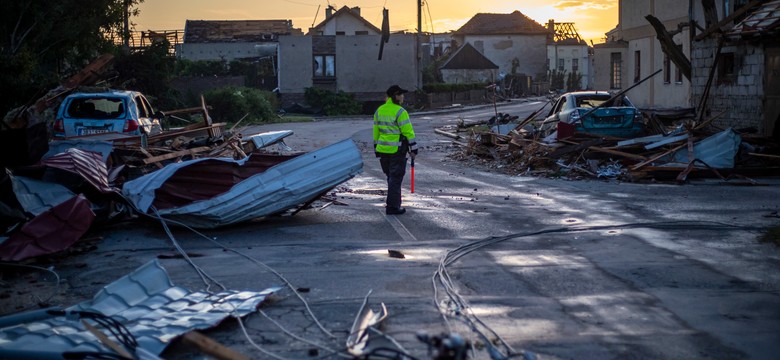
145, 301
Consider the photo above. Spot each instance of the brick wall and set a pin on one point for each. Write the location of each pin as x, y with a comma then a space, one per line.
740, 94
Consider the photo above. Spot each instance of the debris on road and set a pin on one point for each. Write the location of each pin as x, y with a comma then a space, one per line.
143, 311
672, 145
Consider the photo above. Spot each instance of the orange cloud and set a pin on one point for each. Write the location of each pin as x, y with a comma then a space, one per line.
585, 5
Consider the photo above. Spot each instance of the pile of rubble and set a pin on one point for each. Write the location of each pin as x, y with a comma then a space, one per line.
202, 176
674, 146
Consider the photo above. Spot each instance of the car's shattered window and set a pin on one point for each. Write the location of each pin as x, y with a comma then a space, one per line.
96, 108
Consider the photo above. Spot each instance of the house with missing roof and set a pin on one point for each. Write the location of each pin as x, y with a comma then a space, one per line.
568, 53
733, 56
341, 53
514, 42
228, 40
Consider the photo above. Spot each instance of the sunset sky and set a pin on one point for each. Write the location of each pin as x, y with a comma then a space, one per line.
592, 18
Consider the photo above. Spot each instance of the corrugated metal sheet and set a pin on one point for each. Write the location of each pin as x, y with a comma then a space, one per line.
103, 148
717, 151
146, 302
265, 192
51, 232
36, 197
89, 165
269, 138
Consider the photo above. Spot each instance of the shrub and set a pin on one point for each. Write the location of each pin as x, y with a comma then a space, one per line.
339, 103
230, 104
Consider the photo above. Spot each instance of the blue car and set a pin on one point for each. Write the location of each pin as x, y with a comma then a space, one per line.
118, 111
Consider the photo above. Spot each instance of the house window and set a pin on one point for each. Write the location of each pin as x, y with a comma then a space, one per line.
615, 65
667, 70
340, 33
575, 65
637, 65
324, 65
561, 62
726, 68
677, 72
363, 32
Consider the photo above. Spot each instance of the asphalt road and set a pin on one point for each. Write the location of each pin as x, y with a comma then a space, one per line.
564, 269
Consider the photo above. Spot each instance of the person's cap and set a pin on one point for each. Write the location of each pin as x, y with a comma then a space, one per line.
395, 90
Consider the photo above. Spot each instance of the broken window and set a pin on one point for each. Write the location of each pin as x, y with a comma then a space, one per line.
615, 67
324, 65
575, 65
637, 65
667, 70
726, 68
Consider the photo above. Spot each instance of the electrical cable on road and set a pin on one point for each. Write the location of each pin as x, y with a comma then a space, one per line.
463, 311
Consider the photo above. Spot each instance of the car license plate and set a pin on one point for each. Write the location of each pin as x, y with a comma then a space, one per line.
87, 131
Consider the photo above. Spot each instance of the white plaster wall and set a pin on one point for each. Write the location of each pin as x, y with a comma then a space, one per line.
359, 70
531, 50
568, 53
348, 24
295, 63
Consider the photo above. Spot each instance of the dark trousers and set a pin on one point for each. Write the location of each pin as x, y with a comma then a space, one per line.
394, 167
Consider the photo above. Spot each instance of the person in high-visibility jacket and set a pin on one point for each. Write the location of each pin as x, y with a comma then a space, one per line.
393, 139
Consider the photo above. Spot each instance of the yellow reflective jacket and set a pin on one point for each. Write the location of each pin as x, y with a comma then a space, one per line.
392, 127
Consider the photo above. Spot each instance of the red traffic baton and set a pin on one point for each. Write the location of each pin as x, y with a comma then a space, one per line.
412, 175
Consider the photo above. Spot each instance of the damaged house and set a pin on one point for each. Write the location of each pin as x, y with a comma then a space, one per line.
341, 54
633, 52
514, 42
735, 64
718, 58
568, 53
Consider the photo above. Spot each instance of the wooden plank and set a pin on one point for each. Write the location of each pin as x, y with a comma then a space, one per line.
448, 134
609, 151
727, 19
765, 155
210, 347
173, 155
103, 338
148, 155
656, 157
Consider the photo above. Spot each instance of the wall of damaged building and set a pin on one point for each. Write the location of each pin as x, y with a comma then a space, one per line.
358, 70
609, 66
346, 25
568, 54
225, 51
295, 64
738, 85
465, 76
530, 50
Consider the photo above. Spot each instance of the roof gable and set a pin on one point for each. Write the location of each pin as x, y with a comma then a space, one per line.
502, 24
467, 57
211, 31
345, 11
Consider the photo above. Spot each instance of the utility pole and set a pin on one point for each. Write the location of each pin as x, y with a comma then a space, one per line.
418, 44
126, 32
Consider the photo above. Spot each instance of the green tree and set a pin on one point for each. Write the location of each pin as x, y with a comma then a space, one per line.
43, 41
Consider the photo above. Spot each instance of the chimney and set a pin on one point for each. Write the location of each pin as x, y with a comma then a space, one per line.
356, 10
551, 25
329, 11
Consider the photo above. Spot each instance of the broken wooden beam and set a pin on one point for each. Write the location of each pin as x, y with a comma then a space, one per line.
608, 151
193, 151
448, 134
